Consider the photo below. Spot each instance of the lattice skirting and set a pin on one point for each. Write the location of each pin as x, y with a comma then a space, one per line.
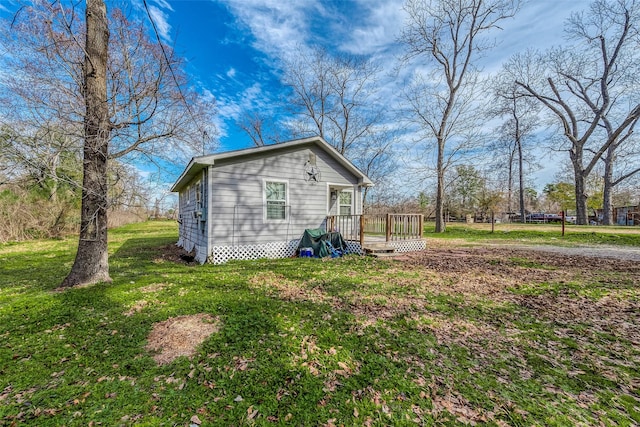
285, 249
353, 247
222, 254
409, 245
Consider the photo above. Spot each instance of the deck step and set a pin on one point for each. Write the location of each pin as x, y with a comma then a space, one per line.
384, 254
378, 248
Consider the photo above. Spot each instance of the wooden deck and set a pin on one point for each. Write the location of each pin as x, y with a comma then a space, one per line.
381, 235
390, 227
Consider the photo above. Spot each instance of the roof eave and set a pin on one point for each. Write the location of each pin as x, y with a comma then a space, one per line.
196, 164
189, 173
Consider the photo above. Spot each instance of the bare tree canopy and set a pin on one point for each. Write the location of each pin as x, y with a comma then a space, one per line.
512, 146
110, 90
335, 97
447, 36
152, 111
590, 88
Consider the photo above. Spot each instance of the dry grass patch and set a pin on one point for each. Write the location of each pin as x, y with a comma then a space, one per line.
154, 287
140, 305
180, 336
289, 290
137, 307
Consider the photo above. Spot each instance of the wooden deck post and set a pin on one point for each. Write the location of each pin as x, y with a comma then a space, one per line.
421, 225
388, 236
361, 230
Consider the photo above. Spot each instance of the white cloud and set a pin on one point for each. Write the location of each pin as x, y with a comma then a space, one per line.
538, 25
231, 108
164, 4
277, 26
161, 19
282, 28
377, 29
370, 27
157, 12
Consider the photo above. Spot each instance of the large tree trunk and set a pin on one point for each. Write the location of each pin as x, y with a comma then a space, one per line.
91, 264
582, 216
440, 222
580, 178
607, 203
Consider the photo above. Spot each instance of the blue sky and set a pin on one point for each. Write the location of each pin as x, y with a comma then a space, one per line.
234, 48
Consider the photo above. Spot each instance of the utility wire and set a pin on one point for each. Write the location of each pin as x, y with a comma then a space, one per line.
166, 57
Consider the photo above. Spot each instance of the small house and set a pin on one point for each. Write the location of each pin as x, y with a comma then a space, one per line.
257, 202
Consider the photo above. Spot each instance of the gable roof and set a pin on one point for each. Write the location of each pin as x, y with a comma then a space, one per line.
198, 163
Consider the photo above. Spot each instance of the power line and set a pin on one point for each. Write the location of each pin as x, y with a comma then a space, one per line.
166, 58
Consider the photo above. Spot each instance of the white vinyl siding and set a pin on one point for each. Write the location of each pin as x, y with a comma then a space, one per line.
276, 200
238, 212
197, 194
193, 225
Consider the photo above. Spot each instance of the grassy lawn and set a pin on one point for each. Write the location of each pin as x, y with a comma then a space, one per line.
543, 234
449, 337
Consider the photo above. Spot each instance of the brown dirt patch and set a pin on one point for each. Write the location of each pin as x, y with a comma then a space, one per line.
179, 336
611, 307
493, 259
492, 272
287, 289
173, 253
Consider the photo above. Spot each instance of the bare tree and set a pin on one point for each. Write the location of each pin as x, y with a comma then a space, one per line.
588, 87
333, 97
625, 157
375, 157
253, 124
520, 116
616, 158
92, 260
447, 35
261, 127
39, 185
113, 90
40, 155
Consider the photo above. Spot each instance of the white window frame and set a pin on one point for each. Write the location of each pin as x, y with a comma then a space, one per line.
340, 204
265, 217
